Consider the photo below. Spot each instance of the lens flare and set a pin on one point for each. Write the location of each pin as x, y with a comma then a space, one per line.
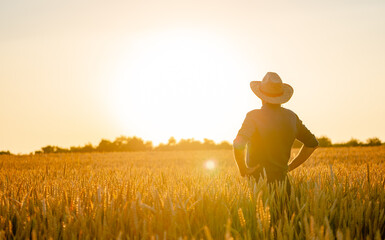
210, 164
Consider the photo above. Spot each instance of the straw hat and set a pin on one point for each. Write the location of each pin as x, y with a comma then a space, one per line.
271, 89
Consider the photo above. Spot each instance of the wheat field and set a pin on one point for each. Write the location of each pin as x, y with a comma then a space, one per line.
339, 193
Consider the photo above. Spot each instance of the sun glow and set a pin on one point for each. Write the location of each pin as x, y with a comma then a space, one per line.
210, 165
173, 84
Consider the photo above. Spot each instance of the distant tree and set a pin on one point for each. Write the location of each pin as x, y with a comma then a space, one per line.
47, 149
105, 146
54, 149
224, 145
373, 141
131, 144
60, 150
208, 144
135, 144
120, 144
148, 145
162, 147
5, 153
171, 141
353, 143
324, 141
87, 148
192, 144
75, 149
187, 144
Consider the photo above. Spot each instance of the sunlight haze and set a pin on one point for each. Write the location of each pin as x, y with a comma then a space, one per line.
75, 72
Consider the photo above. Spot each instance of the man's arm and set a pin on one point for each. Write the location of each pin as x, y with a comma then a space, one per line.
303, 155
239, 146
310, 144
247, 130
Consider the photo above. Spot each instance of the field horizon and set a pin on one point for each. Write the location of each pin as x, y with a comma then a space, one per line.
173, 195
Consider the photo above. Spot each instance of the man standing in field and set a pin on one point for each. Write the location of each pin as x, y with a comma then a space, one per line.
269, 133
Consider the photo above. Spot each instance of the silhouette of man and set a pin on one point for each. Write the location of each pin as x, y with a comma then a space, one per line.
269, 133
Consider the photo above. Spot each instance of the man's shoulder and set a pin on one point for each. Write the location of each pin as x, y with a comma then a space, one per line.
289, 112
260, 112
253, 112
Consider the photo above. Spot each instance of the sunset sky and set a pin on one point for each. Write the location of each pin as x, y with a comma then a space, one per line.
73, 72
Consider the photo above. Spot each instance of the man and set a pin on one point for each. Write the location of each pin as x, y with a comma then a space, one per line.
269, 133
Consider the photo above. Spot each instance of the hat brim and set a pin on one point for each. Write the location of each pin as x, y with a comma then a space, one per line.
285, 97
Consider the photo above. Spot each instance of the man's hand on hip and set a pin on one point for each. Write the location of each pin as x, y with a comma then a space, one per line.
249, 171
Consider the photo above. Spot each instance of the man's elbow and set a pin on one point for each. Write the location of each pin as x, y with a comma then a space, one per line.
313, 144
239, 143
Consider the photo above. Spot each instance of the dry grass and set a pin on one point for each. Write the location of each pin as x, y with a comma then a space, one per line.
339, 193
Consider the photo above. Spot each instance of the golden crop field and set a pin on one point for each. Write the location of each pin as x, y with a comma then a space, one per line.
339, 193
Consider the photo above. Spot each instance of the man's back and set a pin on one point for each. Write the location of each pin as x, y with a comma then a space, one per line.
271, 132
271, 140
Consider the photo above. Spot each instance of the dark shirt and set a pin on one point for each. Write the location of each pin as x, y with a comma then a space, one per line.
270, 133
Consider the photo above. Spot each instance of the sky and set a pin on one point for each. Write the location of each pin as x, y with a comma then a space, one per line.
74, 72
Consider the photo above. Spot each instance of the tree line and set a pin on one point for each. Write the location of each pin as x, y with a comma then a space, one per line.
326, 142
129, 144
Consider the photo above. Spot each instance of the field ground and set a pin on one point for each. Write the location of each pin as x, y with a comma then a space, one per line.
338, 193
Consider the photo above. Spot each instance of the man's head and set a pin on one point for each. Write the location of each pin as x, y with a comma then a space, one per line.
271, 89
